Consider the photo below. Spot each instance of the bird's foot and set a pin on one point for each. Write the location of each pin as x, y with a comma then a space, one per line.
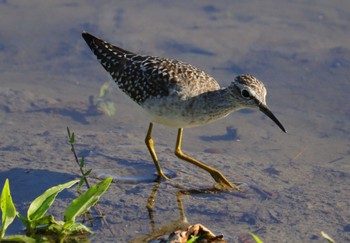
223, 182
162, 177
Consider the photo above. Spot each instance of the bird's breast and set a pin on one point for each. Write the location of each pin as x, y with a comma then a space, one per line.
173, 111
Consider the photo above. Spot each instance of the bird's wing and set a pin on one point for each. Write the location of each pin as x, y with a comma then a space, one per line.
141, 77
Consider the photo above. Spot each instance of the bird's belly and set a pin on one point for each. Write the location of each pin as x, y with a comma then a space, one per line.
177, 113
172, 121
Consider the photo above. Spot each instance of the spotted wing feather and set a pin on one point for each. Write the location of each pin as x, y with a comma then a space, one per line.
141, 77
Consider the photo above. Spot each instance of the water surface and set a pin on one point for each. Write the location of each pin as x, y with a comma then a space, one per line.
298, 182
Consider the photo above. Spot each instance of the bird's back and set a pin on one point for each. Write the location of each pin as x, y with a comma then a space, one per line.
144, 77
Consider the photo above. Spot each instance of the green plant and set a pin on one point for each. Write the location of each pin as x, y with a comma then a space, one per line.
83, 203
256, 238
71, 139
83, 179
193, 239
7, 208
9, 212
327, 237
36, 214
104, 103
40, 226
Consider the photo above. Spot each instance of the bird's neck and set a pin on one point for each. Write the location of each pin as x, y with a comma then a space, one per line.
218, 104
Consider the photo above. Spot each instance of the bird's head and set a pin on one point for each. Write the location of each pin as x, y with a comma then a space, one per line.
251, 93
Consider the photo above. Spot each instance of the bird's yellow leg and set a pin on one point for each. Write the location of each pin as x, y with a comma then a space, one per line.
150, 145
218, 177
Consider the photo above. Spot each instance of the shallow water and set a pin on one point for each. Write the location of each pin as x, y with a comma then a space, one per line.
297, 183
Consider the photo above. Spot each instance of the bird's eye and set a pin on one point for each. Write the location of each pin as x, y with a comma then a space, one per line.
245, 93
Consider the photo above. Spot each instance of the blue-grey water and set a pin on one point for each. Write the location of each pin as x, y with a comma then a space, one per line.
297, 183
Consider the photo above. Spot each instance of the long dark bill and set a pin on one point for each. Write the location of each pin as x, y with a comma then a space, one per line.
267, 112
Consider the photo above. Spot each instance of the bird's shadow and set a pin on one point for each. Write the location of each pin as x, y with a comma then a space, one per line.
140, 171
231, 135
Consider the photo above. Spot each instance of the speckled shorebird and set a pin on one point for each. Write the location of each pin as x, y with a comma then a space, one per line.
177, 94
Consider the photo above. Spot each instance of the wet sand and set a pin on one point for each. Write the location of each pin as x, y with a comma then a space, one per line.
297, 183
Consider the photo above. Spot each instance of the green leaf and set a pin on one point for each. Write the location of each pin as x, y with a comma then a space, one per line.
87, 173
327, 237
19, 238
78, 228
86, 200
68, 131
256, 238
82, 162
70, 136
104, 90
7, 208
41, 204
45, 220
71, 139
107, 107
24, 220
81, 182
193, 239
